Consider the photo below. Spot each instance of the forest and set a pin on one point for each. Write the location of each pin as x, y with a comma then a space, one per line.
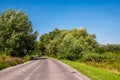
18, 42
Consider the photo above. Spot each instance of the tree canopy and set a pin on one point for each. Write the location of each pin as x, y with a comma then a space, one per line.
69, 44
16, 33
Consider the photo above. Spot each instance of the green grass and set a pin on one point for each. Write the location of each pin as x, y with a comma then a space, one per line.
92, 72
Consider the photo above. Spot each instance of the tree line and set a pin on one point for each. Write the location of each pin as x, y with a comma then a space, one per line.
79, 45
72, 44
67, 44
18, 39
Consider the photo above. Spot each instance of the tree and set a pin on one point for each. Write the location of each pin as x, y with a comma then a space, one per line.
68, 44
16, 33
69, 48
48, 41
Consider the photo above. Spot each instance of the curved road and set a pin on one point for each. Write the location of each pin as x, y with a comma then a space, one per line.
42, 69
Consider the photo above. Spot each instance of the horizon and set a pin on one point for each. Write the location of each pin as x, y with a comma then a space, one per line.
99, 17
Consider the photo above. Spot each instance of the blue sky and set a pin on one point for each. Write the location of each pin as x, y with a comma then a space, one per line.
100, 17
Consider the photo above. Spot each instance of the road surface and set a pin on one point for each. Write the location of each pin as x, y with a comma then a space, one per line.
42, 69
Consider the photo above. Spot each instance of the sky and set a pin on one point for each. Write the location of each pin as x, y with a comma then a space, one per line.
100, 17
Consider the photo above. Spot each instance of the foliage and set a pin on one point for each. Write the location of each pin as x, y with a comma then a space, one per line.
16, 33
67, 44
108, 48
7, 61
78, 44
108, 60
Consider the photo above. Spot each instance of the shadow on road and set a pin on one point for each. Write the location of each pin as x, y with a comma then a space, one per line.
38, 58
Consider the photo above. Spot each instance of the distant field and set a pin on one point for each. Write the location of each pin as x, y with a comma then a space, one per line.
93, 72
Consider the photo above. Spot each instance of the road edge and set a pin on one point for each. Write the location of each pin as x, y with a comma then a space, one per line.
78, 74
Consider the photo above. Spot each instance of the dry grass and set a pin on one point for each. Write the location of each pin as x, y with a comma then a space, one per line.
6, 61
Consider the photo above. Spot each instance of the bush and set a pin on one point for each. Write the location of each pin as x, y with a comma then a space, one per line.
107, 60
4, 64
6, 61
106, 57
93, 57
3, 57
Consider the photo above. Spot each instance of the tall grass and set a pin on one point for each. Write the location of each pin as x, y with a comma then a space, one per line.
7, 61
107, 60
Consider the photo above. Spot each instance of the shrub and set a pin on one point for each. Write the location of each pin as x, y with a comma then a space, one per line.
6, 61
93, 57
106, 57
4, 64
108, 60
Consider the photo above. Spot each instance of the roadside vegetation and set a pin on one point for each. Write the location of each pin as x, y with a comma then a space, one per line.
93, 73
18, 44
79, 46
17, 39
7, 61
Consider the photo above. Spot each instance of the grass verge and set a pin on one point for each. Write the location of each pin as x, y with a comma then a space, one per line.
7, 61
93, 72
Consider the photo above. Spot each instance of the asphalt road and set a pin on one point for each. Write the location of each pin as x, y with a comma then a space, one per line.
42, 69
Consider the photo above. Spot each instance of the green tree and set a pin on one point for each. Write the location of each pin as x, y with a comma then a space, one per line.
16, 33
68, 44
48, 41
